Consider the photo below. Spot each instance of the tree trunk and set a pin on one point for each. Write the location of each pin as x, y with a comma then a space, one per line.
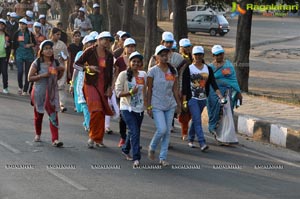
103, 7
127, 15
64, 13
150, 30
179, 20
114, 15
159, 10
242, 47
140, 7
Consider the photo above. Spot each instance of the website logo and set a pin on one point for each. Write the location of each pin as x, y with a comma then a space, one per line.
237, 10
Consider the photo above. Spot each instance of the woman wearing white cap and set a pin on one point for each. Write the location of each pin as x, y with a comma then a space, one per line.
76, 85
23, 43
30, 21
120, 65
197, 78
226, 79
39, 38
162, 100
45, 72
131, 88
97, 61
4, 53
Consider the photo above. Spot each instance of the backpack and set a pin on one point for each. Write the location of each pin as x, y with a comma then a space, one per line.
38, 68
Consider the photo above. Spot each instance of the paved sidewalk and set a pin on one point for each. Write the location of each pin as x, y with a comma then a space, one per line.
269, 121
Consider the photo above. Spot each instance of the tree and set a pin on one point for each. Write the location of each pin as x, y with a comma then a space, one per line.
114, 15
150, 30
64, 13
242, 47
127, 15
103, 7
140, 7
179, 19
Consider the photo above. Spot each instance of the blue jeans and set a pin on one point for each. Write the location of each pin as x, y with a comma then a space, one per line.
134, 121
196, 107
20, 63
163, 123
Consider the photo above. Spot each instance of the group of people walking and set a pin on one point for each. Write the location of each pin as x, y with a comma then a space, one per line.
106, 79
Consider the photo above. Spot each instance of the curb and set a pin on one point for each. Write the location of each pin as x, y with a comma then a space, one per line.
267, 132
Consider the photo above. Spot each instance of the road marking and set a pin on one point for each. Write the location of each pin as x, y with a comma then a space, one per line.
10, 148
67, 180
264, 155
272, 158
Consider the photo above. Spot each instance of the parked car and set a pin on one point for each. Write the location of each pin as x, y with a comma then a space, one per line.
195, 10
212, 24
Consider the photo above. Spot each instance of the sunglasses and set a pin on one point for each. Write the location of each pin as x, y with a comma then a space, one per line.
218, 54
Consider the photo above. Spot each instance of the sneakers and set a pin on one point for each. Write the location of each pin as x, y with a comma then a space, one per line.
57, 143
25, 94
121, 143
5, 91
90, 143
100, 145
204, 148
151, 154
37, 138
19, 91
136, 164
191, 145
108, 131
164, 163
63, 109
127, 156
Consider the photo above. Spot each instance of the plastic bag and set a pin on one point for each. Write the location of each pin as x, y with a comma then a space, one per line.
226, 130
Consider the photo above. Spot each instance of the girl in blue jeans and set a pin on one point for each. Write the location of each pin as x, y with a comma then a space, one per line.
197, 78
130, 87
162, 100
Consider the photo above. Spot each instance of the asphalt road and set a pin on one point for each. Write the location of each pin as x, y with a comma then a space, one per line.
30, 170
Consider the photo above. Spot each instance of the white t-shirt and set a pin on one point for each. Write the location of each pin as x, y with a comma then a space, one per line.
198, 81
137, 100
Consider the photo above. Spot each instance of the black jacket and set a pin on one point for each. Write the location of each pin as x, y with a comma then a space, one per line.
186, 82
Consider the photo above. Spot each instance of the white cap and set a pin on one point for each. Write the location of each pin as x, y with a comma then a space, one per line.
185, 43
94, 34
42, 17
123, 34
96, 5
129, 41
105, 34
119, 33
82, 9
160, 48
3, 21
135, 54
45, 42
87, 39
217, 49
29, 13
23, 20
168, 37
37, 24
14, 15
174, 46
8, 13
198, 50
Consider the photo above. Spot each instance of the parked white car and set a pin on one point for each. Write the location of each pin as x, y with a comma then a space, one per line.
194, 10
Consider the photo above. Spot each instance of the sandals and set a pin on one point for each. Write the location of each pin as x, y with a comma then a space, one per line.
57, 143
37, 138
